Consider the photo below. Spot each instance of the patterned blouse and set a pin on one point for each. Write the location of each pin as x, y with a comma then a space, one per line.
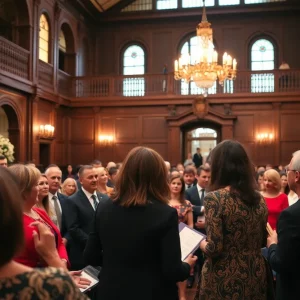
45, 284
183, 210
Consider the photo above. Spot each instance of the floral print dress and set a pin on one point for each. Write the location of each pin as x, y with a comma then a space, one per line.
40, 284
234, 267
182, 211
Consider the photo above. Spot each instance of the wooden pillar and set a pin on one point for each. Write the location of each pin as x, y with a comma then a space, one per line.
57, 12
227, 132
174, 145
33, 121
277, 133
34, 51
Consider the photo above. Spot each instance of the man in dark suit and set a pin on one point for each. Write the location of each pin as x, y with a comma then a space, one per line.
284, 249
196, 195
197, 158
58, 202
189, 177
81, 213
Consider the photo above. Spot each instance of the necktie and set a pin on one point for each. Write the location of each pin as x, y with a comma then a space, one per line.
202, 196
57, 211
95, 201
189, 186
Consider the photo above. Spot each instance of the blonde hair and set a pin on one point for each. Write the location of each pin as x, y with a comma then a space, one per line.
27, 175
274, 176
65, 183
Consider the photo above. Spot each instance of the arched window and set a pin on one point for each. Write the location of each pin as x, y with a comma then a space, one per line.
44, 38
262, 58
134, 64
62, 46
190, 88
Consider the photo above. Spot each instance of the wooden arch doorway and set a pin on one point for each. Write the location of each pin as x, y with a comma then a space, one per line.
201, 134
188, 120
10, 127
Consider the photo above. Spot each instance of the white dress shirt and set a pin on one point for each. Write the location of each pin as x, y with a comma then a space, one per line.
199, 188
89, 196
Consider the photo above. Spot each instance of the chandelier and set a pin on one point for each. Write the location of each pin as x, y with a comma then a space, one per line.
205, 70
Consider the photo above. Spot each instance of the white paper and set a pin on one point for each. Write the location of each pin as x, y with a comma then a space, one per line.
189, 239
93, 280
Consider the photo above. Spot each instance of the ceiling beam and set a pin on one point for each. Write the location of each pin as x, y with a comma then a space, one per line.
119, 6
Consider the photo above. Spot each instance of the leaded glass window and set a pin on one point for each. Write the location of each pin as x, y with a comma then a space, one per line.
262, 58
134, 64
44, 39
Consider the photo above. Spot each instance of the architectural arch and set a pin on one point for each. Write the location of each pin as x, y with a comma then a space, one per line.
15, 22
192, 119
85, 57
45, 38
14, 117
67, 55
133, 43
262, 35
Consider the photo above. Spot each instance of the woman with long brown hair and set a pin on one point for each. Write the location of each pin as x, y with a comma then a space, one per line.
185, 215
136, 237
236, 219
43, 200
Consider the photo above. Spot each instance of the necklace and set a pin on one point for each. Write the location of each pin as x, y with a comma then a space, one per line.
32, 215
35, 216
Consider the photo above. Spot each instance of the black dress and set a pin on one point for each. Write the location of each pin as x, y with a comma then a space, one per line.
139, 251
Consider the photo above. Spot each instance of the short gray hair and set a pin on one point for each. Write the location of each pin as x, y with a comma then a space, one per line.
296, 161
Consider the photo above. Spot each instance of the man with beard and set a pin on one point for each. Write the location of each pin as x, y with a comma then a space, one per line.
81, 213
284, 249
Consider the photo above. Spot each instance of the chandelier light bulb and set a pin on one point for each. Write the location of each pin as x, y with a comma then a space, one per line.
205, 70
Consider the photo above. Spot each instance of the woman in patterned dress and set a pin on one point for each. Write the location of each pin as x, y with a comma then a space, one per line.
236, 219
185, 214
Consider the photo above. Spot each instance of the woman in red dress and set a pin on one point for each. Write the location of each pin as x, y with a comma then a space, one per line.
275, 200
28, 183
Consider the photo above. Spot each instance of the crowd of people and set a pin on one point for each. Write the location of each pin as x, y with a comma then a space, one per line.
123, 220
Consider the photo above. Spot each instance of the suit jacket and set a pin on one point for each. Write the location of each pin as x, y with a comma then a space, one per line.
79, 224
63, 200
139, 251
192, 195
285, 256
198, 160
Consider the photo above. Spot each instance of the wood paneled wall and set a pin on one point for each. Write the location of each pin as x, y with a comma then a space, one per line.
162, 39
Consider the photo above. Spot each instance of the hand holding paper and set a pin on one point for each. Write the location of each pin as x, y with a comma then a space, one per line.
189, 240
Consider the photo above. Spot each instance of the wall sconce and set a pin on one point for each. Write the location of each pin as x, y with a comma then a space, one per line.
106, 140
265, 138
46, 131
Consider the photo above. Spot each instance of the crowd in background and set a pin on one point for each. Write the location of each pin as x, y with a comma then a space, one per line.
223, 197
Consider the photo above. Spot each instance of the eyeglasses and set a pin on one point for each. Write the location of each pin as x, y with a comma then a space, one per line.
288, 170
